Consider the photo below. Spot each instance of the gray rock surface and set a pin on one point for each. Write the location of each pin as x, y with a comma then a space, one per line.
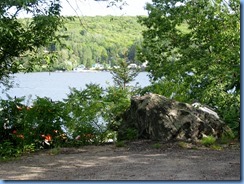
156, 117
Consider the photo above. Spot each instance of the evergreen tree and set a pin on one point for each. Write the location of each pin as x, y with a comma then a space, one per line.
122, 74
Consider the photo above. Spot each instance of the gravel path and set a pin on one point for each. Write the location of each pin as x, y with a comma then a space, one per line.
138, 161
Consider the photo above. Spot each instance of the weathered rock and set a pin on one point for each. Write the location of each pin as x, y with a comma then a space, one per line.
159, 118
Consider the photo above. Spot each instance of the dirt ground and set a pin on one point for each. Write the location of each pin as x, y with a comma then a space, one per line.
139, 160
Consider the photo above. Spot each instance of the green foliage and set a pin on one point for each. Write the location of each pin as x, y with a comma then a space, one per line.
94, 110
166, 88
112, 135
131, 134
91, 40
193, 53
230, 112
227, 137
123, 75
117, 101
23, 44
128, 134
29, 148
208, 140
45, 117
23, 129
84, 109
7, 150
22, 37
216, 147
11, 116
117, 98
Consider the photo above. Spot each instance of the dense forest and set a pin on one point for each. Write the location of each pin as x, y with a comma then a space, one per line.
94, 41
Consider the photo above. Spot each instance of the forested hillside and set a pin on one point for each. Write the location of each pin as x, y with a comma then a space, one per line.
90, 40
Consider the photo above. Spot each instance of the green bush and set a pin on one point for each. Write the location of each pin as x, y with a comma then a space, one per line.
24, 128
12, 113
208, 140
86, 116
84, 110
231, 115
117, 101
8, 150
45, 118
131, 134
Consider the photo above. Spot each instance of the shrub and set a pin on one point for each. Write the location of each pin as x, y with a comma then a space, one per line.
117, 101
84, 114
45, 120
23, 129
8, 150
131, 134
208, 140
11, 115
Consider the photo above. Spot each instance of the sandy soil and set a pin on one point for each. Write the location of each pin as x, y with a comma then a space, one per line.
137, 161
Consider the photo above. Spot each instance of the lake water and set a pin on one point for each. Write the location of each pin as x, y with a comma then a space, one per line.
55, 85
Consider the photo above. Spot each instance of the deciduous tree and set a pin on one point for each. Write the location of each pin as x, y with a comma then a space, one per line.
193, 46
21, 37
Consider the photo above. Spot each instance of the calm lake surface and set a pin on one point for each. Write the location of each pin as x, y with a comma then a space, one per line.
55, 85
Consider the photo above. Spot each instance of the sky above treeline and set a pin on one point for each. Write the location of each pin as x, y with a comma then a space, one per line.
96, 8
100, 7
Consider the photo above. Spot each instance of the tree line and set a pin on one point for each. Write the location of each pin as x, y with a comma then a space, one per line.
90, 40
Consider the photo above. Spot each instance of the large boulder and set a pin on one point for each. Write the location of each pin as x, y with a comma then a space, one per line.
156, 117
